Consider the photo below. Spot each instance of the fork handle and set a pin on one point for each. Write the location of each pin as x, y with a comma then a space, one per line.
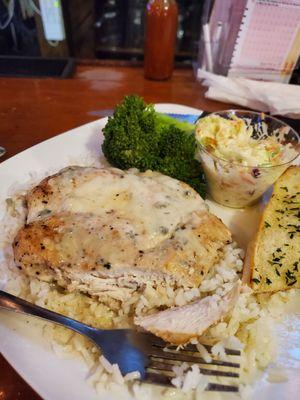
13, 303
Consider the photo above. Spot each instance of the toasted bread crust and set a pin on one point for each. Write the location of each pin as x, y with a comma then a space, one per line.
272, 262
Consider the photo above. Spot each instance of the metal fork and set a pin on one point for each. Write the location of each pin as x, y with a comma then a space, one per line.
132, 350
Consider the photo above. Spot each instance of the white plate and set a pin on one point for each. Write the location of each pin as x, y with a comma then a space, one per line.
22, 344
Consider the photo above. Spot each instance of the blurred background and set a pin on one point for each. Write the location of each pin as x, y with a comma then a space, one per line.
113, 30
99, 29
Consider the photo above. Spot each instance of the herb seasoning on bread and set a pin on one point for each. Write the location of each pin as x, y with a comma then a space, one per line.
274, 258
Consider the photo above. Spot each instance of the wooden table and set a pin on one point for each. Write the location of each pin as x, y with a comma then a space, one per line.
32, 110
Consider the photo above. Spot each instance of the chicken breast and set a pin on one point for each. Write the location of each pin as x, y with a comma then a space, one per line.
108, 232
179, 325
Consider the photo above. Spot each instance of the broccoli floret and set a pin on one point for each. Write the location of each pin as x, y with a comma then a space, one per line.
130, 138
198, 184
174, 145
138, 137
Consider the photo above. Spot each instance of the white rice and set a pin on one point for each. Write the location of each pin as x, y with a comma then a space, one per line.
189, 378
249, 327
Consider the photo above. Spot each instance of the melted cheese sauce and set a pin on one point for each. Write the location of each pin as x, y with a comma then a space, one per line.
87, 223
152, 204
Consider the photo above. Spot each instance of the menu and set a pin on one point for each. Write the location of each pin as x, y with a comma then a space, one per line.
267, 44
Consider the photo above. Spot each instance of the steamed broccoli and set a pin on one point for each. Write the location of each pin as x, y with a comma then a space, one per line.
139, 137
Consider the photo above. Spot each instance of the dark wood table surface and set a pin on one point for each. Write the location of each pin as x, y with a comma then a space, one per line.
32, 110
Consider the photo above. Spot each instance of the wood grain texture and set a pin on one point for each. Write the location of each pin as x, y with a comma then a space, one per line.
32, 110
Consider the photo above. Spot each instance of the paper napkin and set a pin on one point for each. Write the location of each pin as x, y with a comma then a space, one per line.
276, 98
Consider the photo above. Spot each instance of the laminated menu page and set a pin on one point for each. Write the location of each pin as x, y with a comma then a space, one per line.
267, 45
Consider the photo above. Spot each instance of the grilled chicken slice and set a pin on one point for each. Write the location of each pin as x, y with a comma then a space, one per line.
80, 250
179, 325
108, 232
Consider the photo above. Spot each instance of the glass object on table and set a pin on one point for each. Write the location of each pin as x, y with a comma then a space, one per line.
237, 38
161, 28
239, 185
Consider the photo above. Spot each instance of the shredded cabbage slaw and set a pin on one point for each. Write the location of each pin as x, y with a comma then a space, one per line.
231, 140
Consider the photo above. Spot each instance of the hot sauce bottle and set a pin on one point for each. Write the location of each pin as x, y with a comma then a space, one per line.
161, 28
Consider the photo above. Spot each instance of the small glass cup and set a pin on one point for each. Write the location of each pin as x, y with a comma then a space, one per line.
233, 184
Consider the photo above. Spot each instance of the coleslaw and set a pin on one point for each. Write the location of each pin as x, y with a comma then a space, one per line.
242, 157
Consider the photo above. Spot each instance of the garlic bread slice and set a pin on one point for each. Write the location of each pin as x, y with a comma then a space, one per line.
274, 259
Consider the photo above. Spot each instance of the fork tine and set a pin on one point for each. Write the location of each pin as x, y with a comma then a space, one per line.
160, 379
169, 355
162, 366
218, 387
193, 348
156, 341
